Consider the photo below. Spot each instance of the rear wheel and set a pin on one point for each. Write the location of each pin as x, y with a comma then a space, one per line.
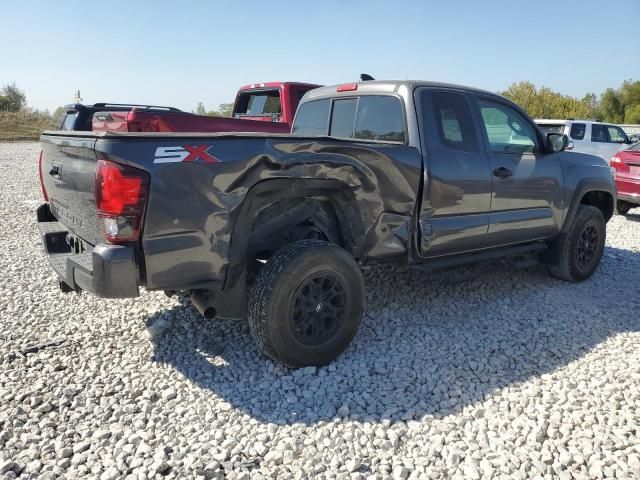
307, 303
623, 207
583, 246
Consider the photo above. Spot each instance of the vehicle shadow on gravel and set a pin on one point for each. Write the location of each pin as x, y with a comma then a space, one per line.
430, 344
633, 216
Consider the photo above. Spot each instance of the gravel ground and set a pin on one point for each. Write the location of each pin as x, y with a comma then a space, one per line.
508, 374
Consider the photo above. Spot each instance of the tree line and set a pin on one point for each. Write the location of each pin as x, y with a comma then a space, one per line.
615, 105
224, 110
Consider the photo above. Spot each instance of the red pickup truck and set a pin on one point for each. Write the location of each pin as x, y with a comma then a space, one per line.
259, 107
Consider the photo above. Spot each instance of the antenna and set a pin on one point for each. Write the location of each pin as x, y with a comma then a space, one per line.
77, 98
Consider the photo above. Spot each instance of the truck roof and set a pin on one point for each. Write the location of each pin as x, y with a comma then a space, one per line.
389, 86
566, 121
276, 85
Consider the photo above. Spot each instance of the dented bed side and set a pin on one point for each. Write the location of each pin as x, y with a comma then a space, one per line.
205, 191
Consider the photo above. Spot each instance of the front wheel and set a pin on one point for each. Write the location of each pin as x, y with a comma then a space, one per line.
583, 246
307, 303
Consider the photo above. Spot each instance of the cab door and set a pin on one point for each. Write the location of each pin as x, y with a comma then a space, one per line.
456, 199
527, 195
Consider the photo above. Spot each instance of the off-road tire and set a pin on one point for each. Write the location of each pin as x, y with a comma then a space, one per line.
274, 312
623, 207
568, 266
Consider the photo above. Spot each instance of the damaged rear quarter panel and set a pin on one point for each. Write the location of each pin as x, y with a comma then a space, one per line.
193, 206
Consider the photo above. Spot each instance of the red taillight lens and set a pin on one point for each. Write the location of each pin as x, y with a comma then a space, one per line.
121, 195
619, 166
44, 190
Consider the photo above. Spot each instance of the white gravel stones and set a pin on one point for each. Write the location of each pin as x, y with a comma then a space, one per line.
509, 375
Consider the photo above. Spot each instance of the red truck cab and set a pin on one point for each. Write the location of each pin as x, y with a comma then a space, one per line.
259, 107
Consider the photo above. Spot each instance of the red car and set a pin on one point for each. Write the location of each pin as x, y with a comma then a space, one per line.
627, 166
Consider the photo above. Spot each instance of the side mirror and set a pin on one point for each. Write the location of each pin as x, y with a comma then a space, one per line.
557, 142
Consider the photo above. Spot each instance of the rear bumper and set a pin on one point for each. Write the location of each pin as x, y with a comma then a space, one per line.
108, 271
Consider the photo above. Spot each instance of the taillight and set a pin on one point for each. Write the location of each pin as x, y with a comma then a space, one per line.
121, 195
617, 163
44, 190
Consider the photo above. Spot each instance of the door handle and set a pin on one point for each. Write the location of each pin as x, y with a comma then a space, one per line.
502, 172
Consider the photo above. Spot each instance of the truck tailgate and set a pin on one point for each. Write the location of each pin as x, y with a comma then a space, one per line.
68, 174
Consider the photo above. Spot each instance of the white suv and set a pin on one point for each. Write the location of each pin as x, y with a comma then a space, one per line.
586, 136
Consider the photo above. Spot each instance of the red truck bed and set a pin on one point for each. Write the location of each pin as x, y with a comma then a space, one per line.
141, 121
259, 107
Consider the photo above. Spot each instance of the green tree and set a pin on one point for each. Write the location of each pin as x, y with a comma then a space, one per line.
200, 110
611, 106
12, 99
630, 99
524, 94
632, 114
225, 110
57, 115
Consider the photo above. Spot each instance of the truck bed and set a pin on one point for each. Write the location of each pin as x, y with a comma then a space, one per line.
196, 201
146, 121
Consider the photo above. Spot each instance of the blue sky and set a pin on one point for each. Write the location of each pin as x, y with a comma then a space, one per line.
180, 53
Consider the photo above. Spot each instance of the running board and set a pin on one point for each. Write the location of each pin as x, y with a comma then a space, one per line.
437, 263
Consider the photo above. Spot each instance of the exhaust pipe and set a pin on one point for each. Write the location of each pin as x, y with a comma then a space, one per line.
203, 301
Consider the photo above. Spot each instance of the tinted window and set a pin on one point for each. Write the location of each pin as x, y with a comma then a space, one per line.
312, 118
616, 135
455, 125
598, 133
577, 131
380, 118
69, 121
507, 130
342, 117
259, 103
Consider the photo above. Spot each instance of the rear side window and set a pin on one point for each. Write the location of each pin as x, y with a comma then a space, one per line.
598, 133
312, 118
455, 125
380, 118
577, 131
374, 117
342, 116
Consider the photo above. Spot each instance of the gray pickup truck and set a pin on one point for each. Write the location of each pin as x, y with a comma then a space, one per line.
274, 228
